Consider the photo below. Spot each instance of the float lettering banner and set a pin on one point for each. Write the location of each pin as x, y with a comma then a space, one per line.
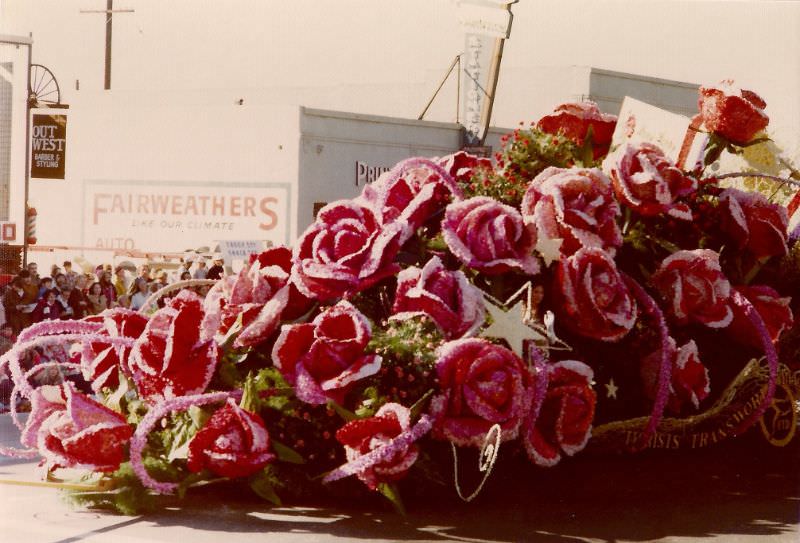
48, 145
177, 216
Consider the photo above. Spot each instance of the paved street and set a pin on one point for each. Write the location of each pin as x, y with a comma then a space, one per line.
742, 491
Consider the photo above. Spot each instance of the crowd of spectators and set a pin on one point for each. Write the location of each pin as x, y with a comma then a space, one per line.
31, 297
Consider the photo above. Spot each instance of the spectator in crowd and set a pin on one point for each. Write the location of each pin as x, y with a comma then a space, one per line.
7, 338
45, 284
162, 279
185, 266
124, 301
54, 270
120, 281
109, 291
31, 287
12, 301
97, 300
61, 280
63, 297
144, 272
186, 276
47, 308
140, 295
217, 270
201, 271
33, 269
77, 299
70, 273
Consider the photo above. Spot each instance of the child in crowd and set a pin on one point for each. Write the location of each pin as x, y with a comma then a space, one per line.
97, 300
47, 308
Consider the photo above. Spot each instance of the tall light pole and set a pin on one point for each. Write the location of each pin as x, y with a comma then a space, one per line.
109, 12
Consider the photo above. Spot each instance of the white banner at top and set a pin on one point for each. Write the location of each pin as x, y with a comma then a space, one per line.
484, 19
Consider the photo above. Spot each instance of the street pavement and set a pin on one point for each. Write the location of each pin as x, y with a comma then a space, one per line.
739, 491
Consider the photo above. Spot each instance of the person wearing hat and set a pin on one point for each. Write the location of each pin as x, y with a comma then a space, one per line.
201, 272
217, 270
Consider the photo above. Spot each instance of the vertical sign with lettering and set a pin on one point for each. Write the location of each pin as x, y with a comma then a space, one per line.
48, 145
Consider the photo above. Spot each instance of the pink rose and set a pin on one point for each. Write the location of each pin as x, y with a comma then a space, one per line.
733, 113
447, 297
646, 181
753, 222
689, 383
363, 436
321, 359
575, 205
462, 165
774, 310
171, 359
101, 363
481, 384
489, 236
282, 257
573, 121
693, 288
595, 301
348, 249
233, 443
257, 297
411, 196
564, 424
71, 430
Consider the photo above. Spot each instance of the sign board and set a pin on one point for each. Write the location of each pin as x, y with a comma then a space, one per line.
176, 216
475, 67
485, 19
639, 122
236, 250
48, 145
8, 232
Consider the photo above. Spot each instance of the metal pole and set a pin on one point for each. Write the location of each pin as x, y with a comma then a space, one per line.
449, 71
458, 92
27, 159
109, 9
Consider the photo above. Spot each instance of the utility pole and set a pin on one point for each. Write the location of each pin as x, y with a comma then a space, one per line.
109, 12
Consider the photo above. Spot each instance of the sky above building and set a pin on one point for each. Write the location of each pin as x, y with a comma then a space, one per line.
387, 56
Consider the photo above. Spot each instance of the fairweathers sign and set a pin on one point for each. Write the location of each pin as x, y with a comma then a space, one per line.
48, 145
176, 216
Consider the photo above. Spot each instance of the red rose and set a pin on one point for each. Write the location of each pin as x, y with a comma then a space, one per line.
363, 436
693, 288
482, 384
646, 181
576, 205
233, 443
282, 257
595, 301
410, 196
774, 311
71, 430
447, 297
324, 357
461, 165
689, 383
489, 236
573, 121
346, 250
753, 222
564, 424
733, 113
170, 358
259, 295
101, 362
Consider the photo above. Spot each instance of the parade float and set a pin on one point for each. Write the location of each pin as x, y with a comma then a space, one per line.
591, 290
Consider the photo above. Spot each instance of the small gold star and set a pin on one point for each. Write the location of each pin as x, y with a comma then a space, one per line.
611, 389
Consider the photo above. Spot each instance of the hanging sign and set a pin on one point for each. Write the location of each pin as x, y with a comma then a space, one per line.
48, 145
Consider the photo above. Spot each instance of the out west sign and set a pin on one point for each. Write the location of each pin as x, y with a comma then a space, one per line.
48, 145
176, 216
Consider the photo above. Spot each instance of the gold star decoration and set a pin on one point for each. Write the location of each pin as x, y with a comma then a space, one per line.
611, 389
513, 322
549, 249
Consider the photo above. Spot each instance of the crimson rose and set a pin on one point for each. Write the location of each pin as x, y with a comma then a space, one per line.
462, 165
689, 382
564, 424
646, 181
573, 121
101, 362
576, 205
324, 357
733, 113
482, 384
489, 236
596, 302
170, 358
233, 443
693, 288
71, 429
754, 223
774, 310
346, 250
447, 297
